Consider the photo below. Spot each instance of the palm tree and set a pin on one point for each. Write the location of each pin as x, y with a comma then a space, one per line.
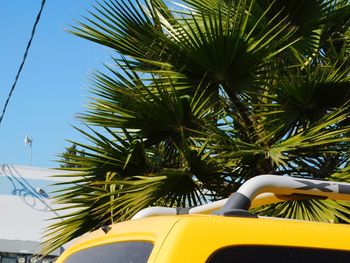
67, 155
204, 95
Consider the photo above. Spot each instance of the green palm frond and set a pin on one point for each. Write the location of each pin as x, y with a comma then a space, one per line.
156, 112
209, 46
310, 93
312, 210
115, 179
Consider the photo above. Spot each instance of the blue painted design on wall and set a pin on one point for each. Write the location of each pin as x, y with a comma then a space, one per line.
33, 192
10, 185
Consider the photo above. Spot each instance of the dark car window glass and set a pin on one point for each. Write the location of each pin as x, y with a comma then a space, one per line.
124, 252
277, 254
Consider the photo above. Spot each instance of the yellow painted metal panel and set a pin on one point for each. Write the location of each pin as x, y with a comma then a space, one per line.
193, 238
148, 229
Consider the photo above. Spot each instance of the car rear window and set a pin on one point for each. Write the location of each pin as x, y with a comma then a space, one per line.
274, 254
128, 252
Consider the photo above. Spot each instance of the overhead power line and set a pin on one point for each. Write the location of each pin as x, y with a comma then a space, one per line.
23, 60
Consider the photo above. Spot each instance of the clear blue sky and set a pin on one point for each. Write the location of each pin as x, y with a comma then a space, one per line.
54, 83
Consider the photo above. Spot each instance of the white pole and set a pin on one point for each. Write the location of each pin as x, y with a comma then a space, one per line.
29, 141
31, 153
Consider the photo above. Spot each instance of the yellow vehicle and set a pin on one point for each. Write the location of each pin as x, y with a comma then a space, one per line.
230, 234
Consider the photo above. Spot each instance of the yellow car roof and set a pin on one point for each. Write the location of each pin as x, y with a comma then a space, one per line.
196, 237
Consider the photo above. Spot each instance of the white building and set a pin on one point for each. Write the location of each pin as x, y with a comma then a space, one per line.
24, 209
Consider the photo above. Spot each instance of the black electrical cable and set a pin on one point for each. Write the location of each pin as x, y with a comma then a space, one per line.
23, 60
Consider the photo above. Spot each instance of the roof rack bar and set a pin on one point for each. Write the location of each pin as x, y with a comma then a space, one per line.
261, 190
285, 187
202, 209
154, 211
